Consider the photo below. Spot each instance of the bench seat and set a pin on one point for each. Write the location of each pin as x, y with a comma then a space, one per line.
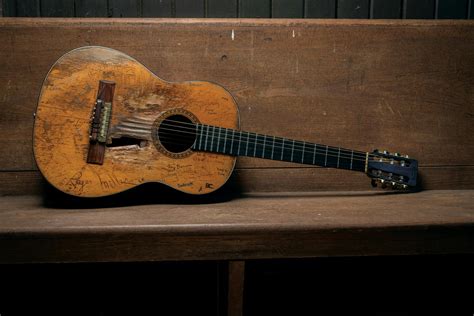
259, 225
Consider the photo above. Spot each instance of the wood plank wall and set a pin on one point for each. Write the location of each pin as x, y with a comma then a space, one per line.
401, 85
353, 9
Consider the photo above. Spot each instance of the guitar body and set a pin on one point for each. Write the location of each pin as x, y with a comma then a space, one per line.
132, 155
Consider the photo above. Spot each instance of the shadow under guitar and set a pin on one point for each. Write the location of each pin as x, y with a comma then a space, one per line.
147, 193
157, 193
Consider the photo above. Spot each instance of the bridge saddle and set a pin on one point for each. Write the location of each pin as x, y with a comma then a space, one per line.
100, 121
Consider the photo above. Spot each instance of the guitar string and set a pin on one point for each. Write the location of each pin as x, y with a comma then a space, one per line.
353, 156
297, 143
330, 154
305, 151
297, 148
342, 163
330, 148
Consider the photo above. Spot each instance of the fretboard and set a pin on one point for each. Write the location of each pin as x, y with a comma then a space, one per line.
239, 143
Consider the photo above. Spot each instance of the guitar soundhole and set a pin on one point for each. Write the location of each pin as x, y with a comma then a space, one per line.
177, 133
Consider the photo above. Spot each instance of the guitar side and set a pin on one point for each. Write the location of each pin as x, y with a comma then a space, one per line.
62, 127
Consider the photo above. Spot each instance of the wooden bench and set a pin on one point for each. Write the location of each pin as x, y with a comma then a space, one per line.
404, 86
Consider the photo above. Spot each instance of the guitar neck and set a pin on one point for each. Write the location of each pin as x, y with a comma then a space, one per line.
240, 143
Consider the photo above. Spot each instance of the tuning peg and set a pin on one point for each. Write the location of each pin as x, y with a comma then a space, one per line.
405, 186
396, 154
406, 156
394, 183
386, 152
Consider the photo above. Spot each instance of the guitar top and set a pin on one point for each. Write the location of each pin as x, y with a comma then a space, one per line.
105, 124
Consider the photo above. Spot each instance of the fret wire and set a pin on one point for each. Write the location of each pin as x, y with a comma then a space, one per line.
292, 150
212, 136
200, 135
302, 155
326, 159
207, 135
218, 139
314, 152
338, 157
263, 147
282, 149
240, 141
247, 144
225, 139
273, 147
352, 157
255, 144
232, 142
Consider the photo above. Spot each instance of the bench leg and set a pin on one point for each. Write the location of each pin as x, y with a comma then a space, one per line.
235, 288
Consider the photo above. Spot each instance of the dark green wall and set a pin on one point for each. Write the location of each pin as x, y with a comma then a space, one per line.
354, 9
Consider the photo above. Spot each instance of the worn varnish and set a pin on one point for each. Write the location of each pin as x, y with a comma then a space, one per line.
61, 133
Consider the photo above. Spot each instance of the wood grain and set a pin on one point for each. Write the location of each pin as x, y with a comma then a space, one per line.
257, 226
399, 85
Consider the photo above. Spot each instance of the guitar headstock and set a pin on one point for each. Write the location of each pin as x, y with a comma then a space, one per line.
392, 170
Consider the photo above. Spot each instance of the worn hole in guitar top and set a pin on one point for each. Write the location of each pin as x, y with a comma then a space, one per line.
127, 141
177, 133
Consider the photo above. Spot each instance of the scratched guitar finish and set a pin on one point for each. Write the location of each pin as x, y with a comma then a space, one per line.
105, 124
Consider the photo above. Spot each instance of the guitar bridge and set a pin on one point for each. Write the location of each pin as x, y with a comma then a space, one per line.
100, 121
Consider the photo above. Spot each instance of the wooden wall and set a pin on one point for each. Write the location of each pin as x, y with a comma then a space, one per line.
404, 86
353, 9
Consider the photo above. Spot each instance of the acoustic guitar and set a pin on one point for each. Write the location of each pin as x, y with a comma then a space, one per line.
105, 124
